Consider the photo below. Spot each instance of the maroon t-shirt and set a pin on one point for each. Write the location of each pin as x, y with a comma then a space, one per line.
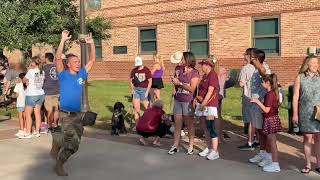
150, 120
140, 78
183, 95
270, 100
210, 80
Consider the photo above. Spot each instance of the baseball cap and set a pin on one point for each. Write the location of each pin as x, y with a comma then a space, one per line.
138, 61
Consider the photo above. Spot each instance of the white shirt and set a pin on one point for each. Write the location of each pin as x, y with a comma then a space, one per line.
36, 80
21, 94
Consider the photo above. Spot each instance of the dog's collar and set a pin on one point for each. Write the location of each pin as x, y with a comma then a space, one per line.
117, 114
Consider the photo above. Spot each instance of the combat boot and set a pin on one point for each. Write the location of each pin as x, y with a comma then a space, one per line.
59, 169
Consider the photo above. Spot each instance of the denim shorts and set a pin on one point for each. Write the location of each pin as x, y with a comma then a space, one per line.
139, 93
20, 109
182, 108
33, 101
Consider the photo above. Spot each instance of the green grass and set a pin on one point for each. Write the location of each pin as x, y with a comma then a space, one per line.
103, 95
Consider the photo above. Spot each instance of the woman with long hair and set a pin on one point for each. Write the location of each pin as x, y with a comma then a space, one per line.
157, 73
306, 97
34, 96
186, 83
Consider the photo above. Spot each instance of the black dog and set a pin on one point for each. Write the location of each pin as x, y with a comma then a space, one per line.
118, 119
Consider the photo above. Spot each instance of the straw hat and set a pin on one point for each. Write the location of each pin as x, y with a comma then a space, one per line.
176, 57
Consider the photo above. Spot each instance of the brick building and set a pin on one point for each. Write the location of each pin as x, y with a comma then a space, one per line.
225, 28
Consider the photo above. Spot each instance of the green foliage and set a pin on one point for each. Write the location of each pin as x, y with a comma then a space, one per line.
27, 22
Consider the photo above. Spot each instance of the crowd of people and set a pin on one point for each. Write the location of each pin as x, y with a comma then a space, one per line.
49, 93
54, 88
200, 97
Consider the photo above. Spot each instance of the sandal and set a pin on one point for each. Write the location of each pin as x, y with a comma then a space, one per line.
305, 170
317, 170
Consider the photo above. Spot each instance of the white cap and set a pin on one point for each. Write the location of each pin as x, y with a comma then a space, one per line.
176, 57
138, 61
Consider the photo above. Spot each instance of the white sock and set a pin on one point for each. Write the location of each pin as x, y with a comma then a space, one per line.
250, 143
262, 151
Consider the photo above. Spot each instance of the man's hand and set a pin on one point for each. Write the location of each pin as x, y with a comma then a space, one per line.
65, 36
89, 39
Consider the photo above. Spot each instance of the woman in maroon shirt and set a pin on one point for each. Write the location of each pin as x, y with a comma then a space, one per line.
207, 103
186, 83
140, 81
150, 124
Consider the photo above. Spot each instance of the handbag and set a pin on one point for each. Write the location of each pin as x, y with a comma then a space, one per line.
317, 113
89, 118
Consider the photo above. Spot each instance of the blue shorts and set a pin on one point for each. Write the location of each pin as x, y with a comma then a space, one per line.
20, 109
140, 94
33, 101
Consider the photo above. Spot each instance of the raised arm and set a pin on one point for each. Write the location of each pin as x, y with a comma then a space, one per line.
92, 54
65, 36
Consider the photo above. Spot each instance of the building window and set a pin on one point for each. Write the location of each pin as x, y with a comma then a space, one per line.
267, 35
98, 44
94, 4
148, 40
120, 49
199, 40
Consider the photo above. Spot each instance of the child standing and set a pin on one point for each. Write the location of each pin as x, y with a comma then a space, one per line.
271, 123
19, 89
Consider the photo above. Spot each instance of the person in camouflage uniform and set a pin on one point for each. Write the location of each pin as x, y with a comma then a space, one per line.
71, 79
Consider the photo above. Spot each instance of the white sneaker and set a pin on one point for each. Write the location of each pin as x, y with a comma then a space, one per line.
213, 155
272, 167
190, 151
257, 158
266, 160
26, 136
173, 150
19, 133
37, 135
205, 152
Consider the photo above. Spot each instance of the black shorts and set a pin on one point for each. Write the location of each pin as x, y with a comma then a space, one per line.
157, 83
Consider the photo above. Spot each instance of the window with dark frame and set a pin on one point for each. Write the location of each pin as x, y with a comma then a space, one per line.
148, 40
198, 38
266, 35
98, 44
120, 50
94, 4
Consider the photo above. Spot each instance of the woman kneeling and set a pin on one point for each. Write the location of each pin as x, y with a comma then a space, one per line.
150, 124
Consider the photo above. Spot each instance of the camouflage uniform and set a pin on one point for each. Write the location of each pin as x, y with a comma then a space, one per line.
66, 142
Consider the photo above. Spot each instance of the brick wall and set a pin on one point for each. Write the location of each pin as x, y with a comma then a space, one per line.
230, 26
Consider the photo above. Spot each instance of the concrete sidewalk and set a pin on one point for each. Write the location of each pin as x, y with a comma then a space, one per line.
104, 159
102, 156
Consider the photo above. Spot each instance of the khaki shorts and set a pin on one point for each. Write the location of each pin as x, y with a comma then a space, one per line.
51, 103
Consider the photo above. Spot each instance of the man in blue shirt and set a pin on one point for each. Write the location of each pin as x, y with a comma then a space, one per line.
71, 81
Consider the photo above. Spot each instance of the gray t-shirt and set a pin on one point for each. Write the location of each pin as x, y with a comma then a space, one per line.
51, 82
245, 77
